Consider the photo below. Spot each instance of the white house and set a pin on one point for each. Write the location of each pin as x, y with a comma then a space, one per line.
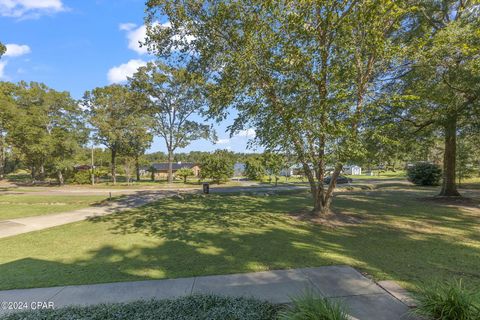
352, 170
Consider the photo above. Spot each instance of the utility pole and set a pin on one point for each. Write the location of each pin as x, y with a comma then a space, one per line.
93, 169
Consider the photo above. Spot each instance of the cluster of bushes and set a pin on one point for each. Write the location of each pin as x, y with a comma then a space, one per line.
447, 301
186, 308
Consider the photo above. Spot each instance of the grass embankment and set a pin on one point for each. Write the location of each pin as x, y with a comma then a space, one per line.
400, 237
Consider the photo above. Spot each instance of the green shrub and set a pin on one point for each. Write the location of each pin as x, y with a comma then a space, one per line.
186, 308
447, 301
312, 307
254, 169
425, 174
185, 173
81, 177
218, 166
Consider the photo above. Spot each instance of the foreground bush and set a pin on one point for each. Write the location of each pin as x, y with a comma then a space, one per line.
425, 174
447, 301
187, 308
81, 177
312, 307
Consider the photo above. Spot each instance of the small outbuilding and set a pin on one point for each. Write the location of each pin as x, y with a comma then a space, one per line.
352, 170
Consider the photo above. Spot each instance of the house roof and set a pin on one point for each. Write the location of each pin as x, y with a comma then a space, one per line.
163, 166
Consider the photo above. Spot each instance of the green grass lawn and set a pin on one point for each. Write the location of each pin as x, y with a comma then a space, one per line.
27, 205
470, 183
179, 184
384, 175
401, 237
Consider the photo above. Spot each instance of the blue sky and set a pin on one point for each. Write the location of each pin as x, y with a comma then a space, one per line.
77, 45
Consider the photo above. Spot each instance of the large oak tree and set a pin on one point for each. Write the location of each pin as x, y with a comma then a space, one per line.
116, 114
300, 72
44, 126
440, 85
174, 98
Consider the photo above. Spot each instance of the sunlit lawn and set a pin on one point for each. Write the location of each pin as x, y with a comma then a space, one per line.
158, 184
28, 205
401, 238
470, 183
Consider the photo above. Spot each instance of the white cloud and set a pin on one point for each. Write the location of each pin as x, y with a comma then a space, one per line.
135, 36
29, 8
127, 26
223, 141
2, 67
16, 50
120, 73
249, 133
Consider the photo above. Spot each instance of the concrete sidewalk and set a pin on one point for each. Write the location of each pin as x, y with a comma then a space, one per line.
363, 297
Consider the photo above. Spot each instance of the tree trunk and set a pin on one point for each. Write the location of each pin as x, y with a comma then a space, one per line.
321, 204
61, 181
137, 168
323, 198
449, 186
170, 166
42, 172
114, 165
3, 156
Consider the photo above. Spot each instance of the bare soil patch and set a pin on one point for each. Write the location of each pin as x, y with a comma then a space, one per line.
333, 220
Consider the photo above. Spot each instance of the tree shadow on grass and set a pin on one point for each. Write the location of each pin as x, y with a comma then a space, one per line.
233, 234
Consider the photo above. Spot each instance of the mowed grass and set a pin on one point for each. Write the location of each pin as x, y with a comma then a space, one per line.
401, 237
470, 183
177, 184
384, 175
27, 205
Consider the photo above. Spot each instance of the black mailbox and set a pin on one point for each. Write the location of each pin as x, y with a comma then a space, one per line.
206, 188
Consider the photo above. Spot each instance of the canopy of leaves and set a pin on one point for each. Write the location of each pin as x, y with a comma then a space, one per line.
43, 125
3, 49
173, 96
184, 173
117, 117
300, 72
218, 166
254, 168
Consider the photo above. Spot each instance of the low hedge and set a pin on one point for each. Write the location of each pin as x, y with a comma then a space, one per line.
193, 307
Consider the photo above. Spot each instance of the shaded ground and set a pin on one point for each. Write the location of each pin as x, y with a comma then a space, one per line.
400, 238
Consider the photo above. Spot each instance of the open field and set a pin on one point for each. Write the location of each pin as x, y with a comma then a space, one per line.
400, 236
29, 205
